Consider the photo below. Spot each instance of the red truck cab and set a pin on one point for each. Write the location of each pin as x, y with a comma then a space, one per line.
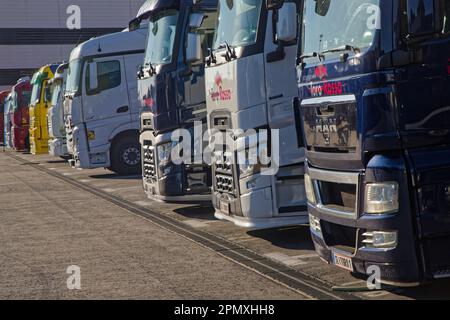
20, 119
3, 95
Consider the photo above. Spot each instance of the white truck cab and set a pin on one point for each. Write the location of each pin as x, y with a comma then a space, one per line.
250, 81
57, 146
101, 102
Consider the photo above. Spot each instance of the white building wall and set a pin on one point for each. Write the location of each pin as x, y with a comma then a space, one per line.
24, 36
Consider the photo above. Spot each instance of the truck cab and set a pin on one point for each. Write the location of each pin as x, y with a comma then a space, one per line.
38, 109
20, 99
374, 87
251, 94
7, 142
55, 115
3, 95
172, 96
101, 107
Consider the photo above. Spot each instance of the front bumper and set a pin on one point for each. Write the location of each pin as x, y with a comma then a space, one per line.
58, 147
262, 201
154, 190
343, 232
84, 157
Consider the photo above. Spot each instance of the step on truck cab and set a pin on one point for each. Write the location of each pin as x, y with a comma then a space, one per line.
7, 142
3, 95
172, 95
38, 109
20, 120
101, 104
250, 78
57, 146
374, 86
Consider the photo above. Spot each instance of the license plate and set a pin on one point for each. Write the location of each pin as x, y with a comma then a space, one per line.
343, 262
225, 207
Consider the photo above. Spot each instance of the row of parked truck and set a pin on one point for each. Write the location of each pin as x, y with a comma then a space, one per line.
332, 113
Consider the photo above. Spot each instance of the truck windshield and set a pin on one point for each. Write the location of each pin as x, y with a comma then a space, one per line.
344, 23
25, 99
55, 92
73, 76
36, 92
14, 106
161, 37
238, 22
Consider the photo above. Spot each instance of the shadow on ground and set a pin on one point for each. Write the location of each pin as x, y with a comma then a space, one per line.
56, 161
436, 290
116, 176
297, 237
202, 212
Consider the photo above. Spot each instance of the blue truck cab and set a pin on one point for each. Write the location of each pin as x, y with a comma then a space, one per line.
374, 100
171, 89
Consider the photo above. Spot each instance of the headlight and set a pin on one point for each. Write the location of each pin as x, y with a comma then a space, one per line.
381, 198
309, 189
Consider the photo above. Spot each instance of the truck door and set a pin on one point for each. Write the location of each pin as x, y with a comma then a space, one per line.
105, 104
281, 90
424, 112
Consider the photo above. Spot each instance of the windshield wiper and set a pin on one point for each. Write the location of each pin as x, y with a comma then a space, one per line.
211, 58
308, 55
230, 53
347, 47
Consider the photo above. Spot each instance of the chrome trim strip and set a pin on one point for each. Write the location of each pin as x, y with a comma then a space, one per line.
334, 176
337, 213
331, 99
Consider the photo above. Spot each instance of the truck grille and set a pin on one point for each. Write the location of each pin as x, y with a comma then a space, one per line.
330, 126
337, 193
340, 237
149, 169
338, 196
224, 181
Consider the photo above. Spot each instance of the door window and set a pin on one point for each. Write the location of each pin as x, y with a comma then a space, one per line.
108, 76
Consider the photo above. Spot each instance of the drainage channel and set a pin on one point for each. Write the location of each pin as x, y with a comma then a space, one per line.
277, 272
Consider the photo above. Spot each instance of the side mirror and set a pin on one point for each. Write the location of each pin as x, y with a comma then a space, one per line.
93, 83
134, 24
194, 48
287, 22
322, 7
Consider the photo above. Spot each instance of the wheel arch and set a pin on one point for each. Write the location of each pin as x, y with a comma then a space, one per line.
125, 133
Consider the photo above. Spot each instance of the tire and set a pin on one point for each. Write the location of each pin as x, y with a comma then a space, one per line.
126, 156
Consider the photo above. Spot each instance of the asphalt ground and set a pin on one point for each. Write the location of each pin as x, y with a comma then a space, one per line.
129, 246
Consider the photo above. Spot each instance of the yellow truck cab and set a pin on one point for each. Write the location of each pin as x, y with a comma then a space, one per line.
38, 109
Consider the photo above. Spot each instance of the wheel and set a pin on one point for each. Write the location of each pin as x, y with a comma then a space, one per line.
126, 156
